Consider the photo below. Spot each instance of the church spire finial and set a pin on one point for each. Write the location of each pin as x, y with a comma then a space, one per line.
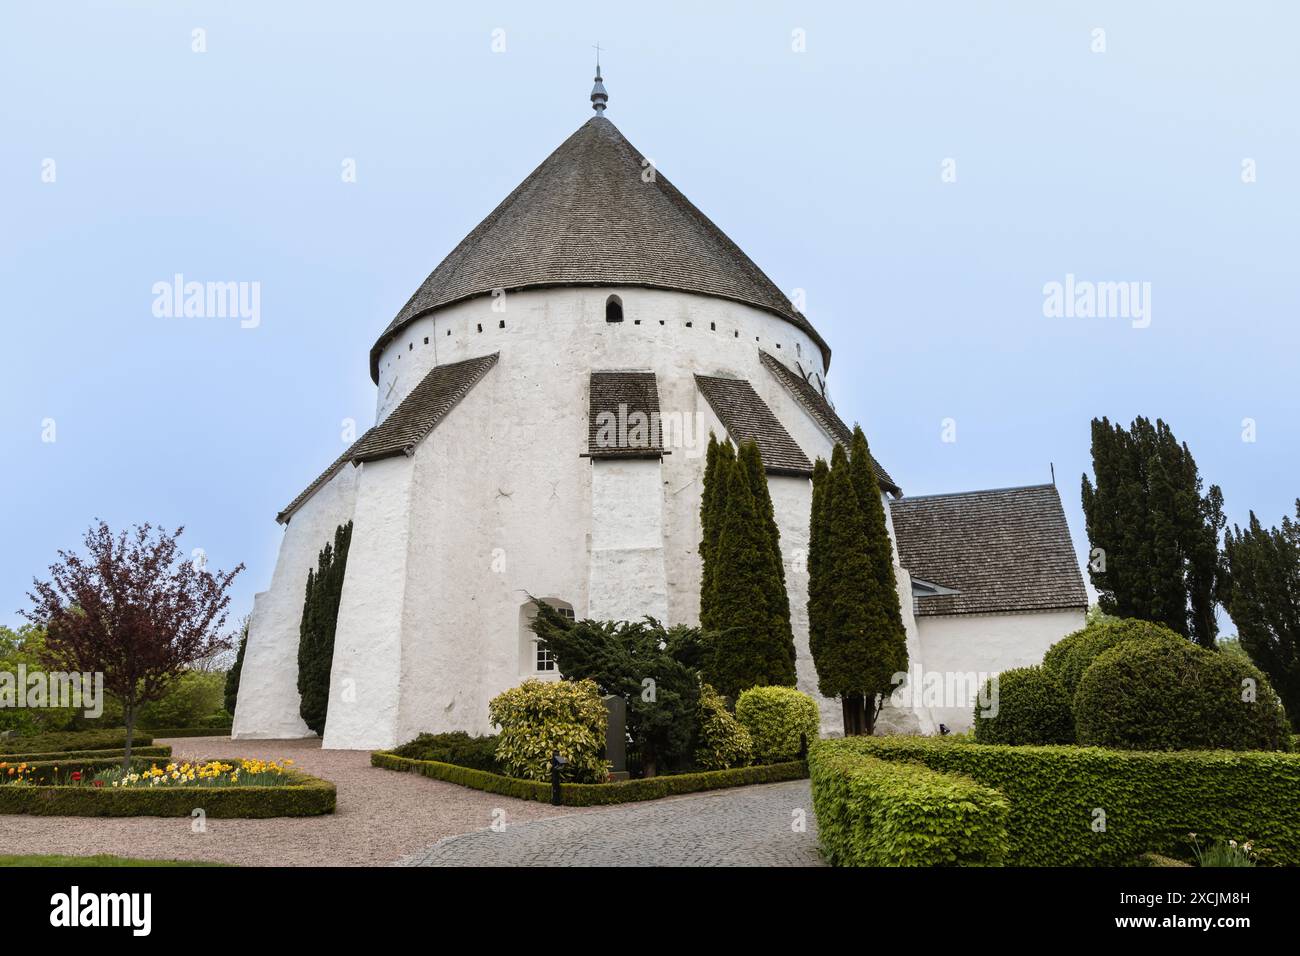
599, 98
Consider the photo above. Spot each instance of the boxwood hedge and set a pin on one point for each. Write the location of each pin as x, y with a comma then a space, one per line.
161, 750
1086, 806
1032, 708
873, 812
594, 794
303, 796
72, 740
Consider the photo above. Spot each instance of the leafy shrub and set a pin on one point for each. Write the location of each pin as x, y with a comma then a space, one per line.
723, 742
1150, 800
190, 698
1160, 695
70, 755
775, 718
539, 718
1069, 657
619, 656
71, 740
595, 794
456, 747
873, 812
1032, 708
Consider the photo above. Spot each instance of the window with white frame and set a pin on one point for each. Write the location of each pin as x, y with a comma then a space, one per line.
545, 659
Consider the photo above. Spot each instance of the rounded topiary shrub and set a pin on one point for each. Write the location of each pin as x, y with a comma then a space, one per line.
1163, 695
539, 718
722, 741
1025, 705
776, 717
1069, 657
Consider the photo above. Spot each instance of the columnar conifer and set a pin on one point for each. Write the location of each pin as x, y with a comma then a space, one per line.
320, 614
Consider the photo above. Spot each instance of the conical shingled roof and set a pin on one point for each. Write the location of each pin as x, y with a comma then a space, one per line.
586, 216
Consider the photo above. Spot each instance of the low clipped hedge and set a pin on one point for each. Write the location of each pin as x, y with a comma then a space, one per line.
593, 794
72, 740
221, 731
1162, 695
304, 796
1032, 708
455, 747
874, 812
1148, 801
157, 752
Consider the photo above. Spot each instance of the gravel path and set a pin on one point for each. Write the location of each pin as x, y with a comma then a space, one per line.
769, 825
381, 816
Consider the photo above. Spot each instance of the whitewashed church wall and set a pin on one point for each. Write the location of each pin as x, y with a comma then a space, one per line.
627, 578
268, 688
365, 677
986, 644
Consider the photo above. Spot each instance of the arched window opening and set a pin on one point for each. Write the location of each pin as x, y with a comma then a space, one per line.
534, 660
613, 309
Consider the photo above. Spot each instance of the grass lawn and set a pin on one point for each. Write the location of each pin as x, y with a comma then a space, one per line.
100, 860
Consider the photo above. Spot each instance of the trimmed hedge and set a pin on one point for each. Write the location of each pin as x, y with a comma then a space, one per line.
192, 731
1032, 708
1160, 695
304, 796
72, 740
776, 718
1150, 800
873, 812
1069, 657
593, 794
157, 752
455, 747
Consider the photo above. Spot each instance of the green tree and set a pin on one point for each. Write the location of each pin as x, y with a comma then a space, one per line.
860, 642
635, 660
751, 463
719, 460
1153, 530
232, 675
751, 643
817, 538
1262, 593
320, 614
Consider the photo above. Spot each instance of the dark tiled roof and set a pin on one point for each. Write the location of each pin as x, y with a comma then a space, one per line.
585, 216
617, 398
746, 416
820, 409
1003, 550
407, 424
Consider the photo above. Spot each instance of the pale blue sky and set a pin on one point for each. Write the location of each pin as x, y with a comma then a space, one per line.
823, 165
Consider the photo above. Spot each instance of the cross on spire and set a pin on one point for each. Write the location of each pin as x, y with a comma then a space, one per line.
599, 98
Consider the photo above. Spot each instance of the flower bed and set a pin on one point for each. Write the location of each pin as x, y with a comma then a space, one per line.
220, 789
1087, 806
594, 794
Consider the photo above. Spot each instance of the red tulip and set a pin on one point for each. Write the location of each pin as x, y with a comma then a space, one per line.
76, 776
99, 783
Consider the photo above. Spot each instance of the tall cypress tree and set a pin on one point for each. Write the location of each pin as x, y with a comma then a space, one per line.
721, 458
751, 462
232, 676
1153, 530
858, 639
750, 644
817, 537
320, 613
1262, 593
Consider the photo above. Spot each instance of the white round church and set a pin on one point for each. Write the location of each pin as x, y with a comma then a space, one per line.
544, 399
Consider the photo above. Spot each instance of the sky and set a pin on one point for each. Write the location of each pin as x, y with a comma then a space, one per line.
921, 171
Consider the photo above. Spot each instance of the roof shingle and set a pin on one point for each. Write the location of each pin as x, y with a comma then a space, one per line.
746, 417
588, 215
822, 412
1008, 549
407, 424
624, 420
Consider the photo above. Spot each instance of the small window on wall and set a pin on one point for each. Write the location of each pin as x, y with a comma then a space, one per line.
536, 661
613, 309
